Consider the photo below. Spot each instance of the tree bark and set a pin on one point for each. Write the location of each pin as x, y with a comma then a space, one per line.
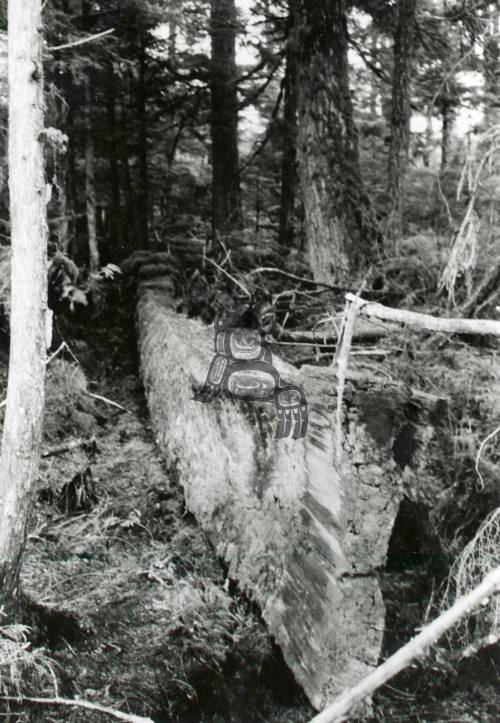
340, 223
491, 65
143, 148
90, 197
290, 129
404, 41
25, 394
114, 174
446, 127
304, 536
226, 195
425, 322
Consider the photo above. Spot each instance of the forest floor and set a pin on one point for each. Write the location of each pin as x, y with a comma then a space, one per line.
130, 601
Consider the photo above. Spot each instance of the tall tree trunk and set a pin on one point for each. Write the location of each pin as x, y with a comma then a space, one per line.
63, 116
62, 211
374, 80
404, 41
71, 192
491, 65
172, 40
446, 126
226, 196
90, 196
340, 222
114, 174
25, 394
143, 148
130, 235
290, 129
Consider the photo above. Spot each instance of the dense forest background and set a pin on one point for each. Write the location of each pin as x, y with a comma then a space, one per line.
339, 136
265, 157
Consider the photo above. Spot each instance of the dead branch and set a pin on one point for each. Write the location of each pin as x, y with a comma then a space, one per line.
274, 270
107, 401
363, 330
229, 276
413, 650
68, 447
426, 322
81, 41
130, 717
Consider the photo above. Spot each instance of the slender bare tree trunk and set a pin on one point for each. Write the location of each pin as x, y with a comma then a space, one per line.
90, 184
446, 128
404, 42
491, 72
143, 196
290, 128
62, 211
115, 231
25, 394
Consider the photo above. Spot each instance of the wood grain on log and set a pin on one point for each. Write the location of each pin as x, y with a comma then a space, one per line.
425, 322
302, 536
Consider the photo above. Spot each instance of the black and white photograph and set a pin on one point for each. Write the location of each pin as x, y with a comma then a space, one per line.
249, 361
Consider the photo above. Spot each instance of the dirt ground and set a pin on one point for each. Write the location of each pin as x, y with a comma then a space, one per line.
128, 599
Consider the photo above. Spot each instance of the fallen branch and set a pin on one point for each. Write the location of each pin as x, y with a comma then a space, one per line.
130, 717
425, 322
107, 401
363, 330
414, 649
68, 447
274, 270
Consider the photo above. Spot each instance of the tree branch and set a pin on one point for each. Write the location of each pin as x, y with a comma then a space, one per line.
426, 322
415, 648
130, 717
81, 41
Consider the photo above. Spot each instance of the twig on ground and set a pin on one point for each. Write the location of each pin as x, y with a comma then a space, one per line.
107, 401
414, 649
119, 715
68, 447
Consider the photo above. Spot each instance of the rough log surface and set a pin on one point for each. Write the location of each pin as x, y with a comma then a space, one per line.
304, 537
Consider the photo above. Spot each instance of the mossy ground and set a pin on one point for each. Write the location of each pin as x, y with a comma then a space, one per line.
144, 617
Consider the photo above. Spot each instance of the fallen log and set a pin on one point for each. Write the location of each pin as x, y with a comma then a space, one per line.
303, 535
364, 330
425, 322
